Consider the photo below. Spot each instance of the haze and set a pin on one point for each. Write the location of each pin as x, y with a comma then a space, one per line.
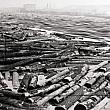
56, 4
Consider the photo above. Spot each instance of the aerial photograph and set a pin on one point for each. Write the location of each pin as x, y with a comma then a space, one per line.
54, 54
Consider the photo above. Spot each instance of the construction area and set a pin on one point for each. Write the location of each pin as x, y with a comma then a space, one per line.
54, 62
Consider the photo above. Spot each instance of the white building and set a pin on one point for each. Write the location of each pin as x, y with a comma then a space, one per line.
29, 7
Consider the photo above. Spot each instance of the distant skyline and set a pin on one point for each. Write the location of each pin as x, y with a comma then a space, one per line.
54, 4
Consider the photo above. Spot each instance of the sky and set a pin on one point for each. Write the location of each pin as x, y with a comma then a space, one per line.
51, 3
